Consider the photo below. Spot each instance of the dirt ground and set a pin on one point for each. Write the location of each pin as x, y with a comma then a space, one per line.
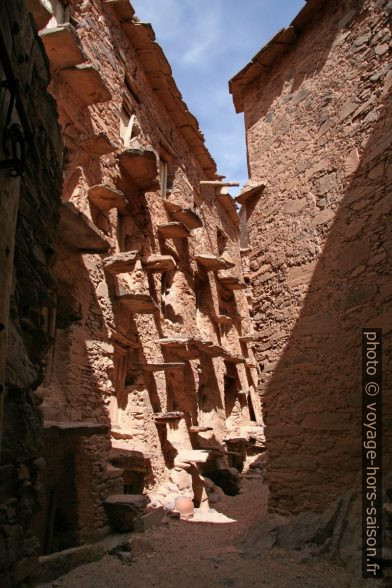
181, 554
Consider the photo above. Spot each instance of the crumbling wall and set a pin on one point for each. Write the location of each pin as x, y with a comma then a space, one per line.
31, 199
318, 134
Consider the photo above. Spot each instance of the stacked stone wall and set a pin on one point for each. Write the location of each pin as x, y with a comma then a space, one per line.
318, 129
129, 136
32, 199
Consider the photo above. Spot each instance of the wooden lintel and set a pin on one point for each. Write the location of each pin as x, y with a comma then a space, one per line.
218, 183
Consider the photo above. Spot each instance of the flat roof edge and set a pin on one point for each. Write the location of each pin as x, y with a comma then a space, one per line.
272, 51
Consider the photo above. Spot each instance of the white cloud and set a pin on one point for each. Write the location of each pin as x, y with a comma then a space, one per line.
166, 16
205, 34
186, 26
207, 42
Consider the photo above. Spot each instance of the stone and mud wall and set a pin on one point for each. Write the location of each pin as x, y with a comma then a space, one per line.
151, 381
30, 186
317, 104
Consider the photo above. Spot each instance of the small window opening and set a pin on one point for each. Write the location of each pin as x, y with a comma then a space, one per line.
164, 291
163, 176
120, 364
221, 238
230, 392
133, 482
170, 398
252, 415
129, 87
198, 292
120, 232
126, 125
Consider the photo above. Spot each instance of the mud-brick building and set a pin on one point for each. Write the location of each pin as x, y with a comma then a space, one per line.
317, 107
151, 381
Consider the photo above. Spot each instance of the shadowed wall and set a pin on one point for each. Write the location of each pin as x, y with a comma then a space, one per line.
318, 132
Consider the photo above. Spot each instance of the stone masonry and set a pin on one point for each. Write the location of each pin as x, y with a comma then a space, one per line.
30, 179
151, 385
317, 106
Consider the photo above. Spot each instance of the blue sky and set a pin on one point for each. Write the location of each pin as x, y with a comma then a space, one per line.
206, 43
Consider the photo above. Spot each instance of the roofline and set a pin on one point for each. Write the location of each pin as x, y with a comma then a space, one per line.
159, 74
270, 53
